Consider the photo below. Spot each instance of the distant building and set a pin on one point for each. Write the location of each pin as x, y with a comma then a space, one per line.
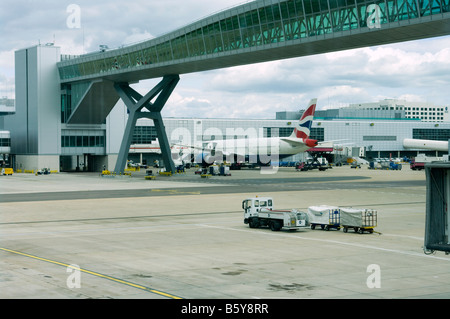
427, 112
40, 135
6, 108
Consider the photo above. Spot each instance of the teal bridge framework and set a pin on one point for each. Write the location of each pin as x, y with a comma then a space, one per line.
258, 31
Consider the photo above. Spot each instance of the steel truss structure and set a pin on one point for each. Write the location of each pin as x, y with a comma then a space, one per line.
141, 107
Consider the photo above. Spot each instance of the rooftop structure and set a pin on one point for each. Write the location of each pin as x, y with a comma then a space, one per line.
427, 112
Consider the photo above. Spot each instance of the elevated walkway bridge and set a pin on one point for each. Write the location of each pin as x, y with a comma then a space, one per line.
258, 31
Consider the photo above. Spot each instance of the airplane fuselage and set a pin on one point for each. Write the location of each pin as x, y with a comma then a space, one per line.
254, 149
261, 150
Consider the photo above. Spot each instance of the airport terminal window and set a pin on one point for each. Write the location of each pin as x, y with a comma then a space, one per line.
317, 133
124, 61
431, 134
249, 19
144, 135
110, 64
82, 141
179, 48
5, 142
135, 58
213, 38
65, 108
164, 52
379, 138
150, 56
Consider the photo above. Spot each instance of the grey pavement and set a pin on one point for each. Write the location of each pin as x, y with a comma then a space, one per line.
184, 237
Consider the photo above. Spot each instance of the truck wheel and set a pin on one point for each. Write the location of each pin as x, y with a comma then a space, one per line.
275, 225
253, 223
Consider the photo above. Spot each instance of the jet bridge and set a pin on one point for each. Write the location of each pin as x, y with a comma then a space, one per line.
437, 220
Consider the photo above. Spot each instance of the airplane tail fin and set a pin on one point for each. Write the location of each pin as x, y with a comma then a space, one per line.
303, 127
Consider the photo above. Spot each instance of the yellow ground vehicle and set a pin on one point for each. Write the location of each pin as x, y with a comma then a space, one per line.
7, 171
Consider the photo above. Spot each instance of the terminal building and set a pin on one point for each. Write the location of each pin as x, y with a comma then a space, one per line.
6, 108
40, 136
37, 134
377, 133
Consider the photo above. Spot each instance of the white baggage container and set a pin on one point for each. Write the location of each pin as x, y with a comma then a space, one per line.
360, 219
325, 216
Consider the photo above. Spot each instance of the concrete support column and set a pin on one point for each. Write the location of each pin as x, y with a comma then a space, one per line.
135, 103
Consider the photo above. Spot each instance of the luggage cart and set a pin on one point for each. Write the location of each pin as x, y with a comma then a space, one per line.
360, 220
327, 217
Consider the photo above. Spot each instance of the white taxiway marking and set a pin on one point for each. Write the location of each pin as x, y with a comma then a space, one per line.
335, 242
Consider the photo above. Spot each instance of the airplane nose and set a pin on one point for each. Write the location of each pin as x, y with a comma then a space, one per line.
311, 143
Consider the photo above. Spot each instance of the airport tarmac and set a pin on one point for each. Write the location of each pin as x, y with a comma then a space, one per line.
79, 235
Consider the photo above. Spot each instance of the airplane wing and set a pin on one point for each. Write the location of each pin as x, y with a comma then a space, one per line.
190, 146
203, 149
332, 141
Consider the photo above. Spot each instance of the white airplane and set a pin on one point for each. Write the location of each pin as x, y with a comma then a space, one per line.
176, 151
425, 144
258, 150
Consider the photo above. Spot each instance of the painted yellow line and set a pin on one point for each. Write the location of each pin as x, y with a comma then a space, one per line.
94, 273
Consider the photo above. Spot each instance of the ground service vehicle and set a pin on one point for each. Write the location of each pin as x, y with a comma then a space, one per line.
259, 212
7, 171
419, 162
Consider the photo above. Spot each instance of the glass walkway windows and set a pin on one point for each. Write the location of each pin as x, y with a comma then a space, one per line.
256, 25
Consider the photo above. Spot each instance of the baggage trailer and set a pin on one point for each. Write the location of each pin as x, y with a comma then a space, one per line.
358, 219
6, 171
327, 217
259, 212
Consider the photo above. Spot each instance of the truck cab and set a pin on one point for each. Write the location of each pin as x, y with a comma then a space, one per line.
252, 206
259, 212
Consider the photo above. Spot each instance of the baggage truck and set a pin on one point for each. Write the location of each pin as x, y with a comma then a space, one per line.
259, 212
327, 217
419, 162
360, 219
7, 171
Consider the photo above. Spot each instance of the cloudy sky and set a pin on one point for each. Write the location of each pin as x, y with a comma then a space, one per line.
415, 71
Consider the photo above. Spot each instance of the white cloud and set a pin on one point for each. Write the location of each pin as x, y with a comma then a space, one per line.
137, 36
